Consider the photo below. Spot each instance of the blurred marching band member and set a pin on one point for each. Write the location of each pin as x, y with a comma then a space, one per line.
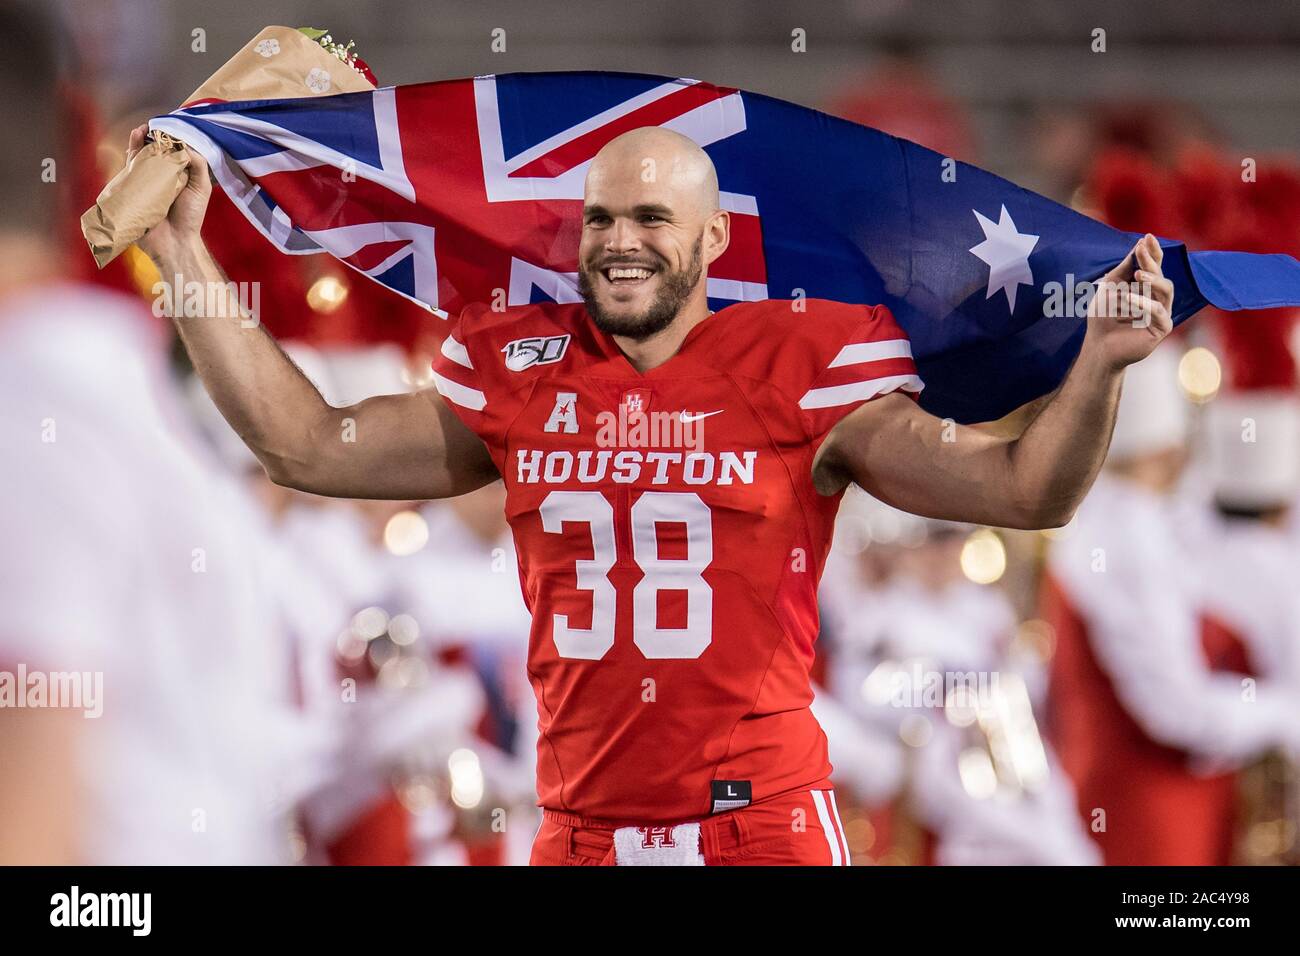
451, 691
1252, 474
382, 714
471, 622
470, 592
141, 574
1151, 700
1238, 526
1161, 754
966, 758
865, 751
124, 559
39, 799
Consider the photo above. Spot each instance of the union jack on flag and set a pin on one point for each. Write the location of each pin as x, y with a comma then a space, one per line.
471, 191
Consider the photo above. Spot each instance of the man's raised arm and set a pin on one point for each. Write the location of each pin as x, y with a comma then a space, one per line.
400, 446
913, 461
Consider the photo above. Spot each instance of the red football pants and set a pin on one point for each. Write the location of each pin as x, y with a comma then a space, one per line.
797, 829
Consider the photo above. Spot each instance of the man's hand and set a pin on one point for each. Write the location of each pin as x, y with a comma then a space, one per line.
1132, 309
185, 218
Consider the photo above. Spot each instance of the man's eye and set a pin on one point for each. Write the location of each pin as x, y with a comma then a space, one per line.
647, 217
597, 220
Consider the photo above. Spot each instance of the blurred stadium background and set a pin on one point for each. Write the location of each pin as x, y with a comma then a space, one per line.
390, 718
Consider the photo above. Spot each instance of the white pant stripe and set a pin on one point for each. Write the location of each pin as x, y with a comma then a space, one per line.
824, 817
839, 827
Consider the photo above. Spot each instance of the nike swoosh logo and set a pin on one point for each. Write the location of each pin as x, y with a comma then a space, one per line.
687, 419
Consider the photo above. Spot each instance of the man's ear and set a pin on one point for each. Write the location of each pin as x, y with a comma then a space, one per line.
717, 235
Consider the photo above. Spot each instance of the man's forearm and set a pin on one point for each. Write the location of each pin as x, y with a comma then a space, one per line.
260, 392
1057, 458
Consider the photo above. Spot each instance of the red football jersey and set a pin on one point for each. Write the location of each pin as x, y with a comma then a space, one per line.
670, 540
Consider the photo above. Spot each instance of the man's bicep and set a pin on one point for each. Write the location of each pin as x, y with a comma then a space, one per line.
402, 447
466, 464
906, 457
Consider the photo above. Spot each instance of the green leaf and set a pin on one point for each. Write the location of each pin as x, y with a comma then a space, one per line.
312, 33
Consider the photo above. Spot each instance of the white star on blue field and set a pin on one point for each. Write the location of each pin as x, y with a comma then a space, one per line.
1005, 250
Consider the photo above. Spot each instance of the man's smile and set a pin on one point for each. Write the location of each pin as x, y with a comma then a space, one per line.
628, 276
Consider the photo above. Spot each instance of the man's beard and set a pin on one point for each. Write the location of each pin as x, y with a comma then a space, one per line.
674, 289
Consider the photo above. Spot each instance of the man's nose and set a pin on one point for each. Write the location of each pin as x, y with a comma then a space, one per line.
623, 237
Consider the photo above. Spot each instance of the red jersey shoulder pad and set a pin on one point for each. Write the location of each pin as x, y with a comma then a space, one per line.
522, 337
503, 350
823, 354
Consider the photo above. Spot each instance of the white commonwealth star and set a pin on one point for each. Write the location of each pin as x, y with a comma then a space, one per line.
1005, 250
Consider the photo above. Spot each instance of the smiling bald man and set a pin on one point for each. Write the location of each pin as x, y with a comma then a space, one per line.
672, 477
642, 290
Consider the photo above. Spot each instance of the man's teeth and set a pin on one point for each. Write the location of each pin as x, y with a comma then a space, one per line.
630, 273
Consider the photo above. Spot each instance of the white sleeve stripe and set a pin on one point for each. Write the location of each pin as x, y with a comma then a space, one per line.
872, 352
466, 397
858, 391
456, 352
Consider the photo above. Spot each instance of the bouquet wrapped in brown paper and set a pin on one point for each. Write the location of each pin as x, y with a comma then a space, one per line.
278, 63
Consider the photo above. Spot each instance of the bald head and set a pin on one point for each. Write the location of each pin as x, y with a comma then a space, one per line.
660, 156
651, 226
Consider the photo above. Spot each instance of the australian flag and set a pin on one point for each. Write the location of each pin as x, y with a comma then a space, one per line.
471, 191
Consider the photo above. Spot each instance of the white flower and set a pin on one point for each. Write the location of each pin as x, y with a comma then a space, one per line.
268, 47
318, 81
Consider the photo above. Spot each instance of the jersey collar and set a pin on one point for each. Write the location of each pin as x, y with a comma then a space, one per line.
681, 363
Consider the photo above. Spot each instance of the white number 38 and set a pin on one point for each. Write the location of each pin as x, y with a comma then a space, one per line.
677, 574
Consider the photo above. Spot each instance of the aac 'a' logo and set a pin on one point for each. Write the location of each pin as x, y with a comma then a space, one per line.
539, 350
564, 417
